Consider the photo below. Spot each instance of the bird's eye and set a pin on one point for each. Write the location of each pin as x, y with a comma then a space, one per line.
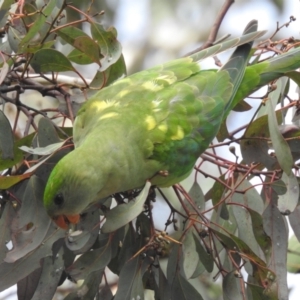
59, 199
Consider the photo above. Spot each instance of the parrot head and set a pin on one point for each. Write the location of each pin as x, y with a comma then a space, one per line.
67, 193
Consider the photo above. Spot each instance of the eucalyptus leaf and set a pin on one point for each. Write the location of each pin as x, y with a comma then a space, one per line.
88, 231
276, 227
124, 213
294, 218
90, 261
52, 268
5, 7
107, 41
47, 60
89, 288
27, 286
205, 257
18, 153
289, 201
34, 32
47, 134
183, 290
14, 272
282, 150
81, 41
6, 137
5, 233
190, 254
43, 150
31, 224
232, 287
127, 281
293, 256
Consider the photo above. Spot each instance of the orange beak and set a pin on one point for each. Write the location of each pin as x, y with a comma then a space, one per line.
63, 221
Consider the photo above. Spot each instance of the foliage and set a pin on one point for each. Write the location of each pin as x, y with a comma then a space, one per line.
231, 230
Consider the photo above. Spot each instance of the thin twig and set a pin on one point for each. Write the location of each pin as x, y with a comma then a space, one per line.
215, 28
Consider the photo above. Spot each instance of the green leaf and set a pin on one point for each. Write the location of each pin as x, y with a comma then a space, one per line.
242, 106
82, 42
261, 237
3, 72
7, 215
31, 14
229, 225
245, 230
291, 134
52, 268
89, 288
79, 58
27, 286
256, 292
105, 293
5, 7
18, 154
216, 192
70, 34
108, 76
293, 256
276, 227
254, 146
249, 200
294, 218
223, 132
6, 138
229, 243
109, 46
124, 213
205, 257
247, 251
174, 262
14, 38
8, 181
14, 272
295, 76
50, 60
289, 201
31, 224
282, 150
88, 47
91, 261
183, 290
232, 287
128, 281
116, 71
35, 29
197, 196
87, 232
43, 150
137, 290
46, 134
190, 255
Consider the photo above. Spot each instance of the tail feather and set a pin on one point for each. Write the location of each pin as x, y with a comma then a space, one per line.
238, 61
260, 74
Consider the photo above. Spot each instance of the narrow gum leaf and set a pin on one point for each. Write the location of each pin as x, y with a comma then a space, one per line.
282, 150
124, 213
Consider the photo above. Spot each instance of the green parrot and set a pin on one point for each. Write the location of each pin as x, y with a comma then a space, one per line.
153, 125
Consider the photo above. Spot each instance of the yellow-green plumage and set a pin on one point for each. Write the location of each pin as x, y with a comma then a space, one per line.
160, 119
